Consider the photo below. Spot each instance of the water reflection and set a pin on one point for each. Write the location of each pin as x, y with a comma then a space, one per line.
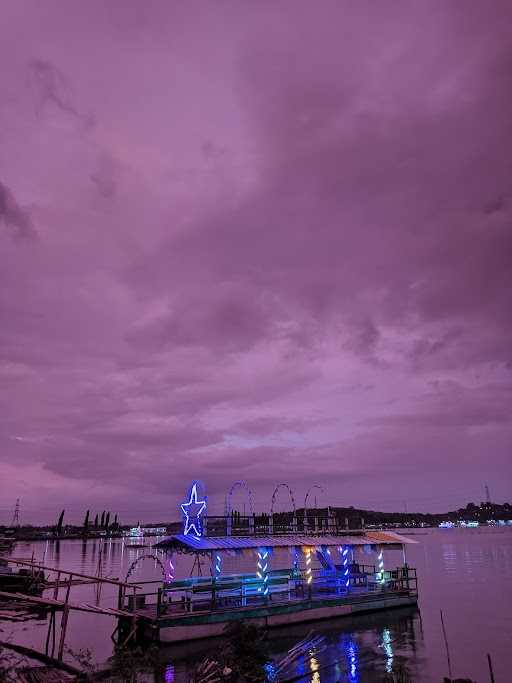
388, 649
467, 573
349, 646
354, 650
313, 665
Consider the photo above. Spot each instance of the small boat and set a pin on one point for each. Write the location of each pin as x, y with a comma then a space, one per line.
446, 525
23, 580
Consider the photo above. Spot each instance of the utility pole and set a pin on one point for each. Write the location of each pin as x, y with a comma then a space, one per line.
16, 514
487, 494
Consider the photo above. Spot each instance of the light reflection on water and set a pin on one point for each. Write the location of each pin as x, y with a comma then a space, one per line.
465, 572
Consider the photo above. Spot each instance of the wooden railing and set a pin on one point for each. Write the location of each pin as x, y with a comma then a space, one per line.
241, 590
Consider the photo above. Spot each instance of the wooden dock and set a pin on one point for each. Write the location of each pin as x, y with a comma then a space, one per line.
16, 606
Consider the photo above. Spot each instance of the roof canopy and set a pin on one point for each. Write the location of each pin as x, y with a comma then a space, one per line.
194, 544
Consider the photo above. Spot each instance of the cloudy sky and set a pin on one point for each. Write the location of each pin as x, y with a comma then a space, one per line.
254, 240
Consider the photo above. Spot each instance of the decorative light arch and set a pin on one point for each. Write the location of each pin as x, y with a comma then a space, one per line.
242, 485
146, 556
314, 486
274, 495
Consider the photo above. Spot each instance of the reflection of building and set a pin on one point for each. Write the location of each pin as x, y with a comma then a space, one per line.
139, 531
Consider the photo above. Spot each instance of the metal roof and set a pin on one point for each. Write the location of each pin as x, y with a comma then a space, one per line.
191, 543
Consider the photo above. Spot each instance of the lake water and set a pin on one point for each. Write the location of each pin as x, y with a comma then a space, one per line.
466, 572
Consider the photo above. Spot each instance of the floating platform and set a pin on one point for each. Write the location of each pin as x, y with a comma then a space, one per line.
210, 624
324, 582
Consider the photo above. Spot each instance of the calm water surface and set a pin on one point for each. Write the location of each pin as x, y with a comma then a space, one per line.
466, 572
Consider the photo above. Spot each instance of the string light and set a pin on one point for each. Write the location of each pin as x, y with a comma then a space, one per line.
345, 573
309, 573
380, 573
262, 572
218, 564
170, 573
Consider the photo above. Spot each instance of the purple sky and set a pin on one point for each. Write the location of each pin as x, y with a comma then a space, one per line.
254, 240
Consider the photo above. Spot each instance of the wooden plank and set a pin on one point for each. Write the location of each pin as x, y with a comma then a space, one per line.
59, 604
43, 674
39, 656
96, 579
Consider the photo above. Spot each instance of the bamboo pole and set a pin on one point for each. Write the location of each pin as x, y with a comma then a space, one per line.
491, 672
64, 620
56, 589
25, 563
446, 645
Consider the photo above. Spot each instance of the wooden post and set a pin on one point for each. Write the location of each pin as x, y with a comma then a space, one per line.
446, 645
56, 589
134, 618
63, 627
491, 672
64, 620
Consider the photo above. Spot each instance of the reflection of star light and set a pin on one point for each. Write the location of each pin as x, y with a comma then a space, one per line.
192, 510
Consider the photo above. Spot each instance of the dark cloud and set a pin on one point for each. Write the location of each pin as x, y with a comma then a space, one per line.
278, 255
51, 87
13, 216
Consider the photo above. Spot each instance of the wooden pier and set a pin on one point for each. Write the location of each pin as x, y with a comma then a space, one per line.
16, 606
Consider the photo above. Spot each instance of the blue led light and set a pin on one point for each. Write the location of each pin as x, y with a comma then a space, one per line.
218, 565
192, 510
262, 572
345, 572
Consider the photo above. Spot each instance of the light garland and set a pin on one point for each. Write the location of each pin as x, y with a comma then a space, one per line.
170, 573
345, 570
380, 573
262, 572
309, 573
218, 565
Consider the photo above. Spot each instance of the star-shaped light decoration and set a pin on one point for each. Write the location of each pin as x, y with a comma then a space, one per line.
192, 511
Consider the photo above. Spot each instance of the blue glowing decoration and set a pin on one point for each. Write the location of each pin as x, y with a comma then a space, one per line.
262, 572
345, 572
270, 670
218, 565
350, 650
192, 510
